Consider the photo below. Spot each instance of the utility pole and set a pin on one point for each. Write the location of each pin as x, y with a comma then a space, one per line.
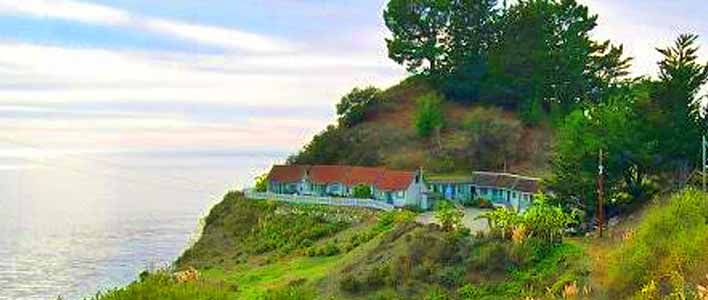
600, 194
703, 162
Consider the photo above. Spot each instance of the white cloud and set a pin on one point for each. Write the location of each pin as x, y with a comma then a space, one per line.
642, 27
264, 73
55, 74
70, 10
228, 38
46, 77
217, 36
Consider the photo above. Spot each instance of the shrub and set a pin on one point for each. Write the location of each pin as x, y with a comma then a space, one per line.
671, 238
429, 116
350, 284
546, 221
353, 107
290, 292
160, 285
437, 294
361, 191
262, 183
501, 221
492, 139
449, 216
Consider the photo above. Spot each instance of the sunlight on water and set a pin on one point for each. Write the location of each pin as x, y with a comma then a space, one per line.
73, 225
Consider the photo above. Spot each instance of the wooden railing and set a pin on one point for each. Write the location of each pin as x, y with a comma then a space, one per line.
335, 201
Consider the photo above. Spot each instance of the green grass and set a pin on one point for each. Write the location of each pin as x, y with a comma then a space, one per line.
382, 256
254, 282
668, 249
257, 250
162, 286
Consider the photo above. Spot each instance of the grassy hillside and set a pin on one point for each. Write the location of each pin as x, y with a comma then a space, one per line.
387, 136
265, 250
251, 249
658, 254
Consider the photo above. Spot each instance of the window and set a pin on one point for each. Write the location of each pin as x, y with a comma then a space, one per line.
483, 191
400, 194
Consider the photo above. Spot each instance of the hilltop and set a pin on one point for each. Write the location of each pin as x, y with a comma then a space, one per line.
474, 137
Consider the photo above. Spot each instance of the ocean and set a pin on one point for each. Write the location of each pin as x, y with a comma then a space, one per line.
75, 224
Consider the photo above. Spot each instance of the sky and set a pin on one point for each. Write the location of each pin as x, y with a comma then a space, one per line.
222, 75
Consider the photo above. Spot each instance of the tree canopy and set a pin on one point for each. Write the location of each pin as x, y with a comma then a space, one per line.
535, 56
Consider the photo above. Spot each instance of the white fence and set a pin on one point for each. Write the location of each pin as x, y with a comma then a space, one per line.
320, 200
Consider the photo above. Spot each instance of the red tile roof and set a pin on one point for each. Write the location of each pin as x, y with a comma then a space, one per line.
364, 175
379, 177
395, 180
291, 173
329, 174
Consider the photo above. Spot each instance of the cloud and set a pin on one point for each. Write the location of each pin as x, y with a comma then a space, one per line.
56, 74
68, 10
228, 38
264, 92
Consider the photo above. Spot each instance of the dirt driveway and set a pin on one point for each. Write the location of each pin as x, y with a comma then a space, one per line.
468, 220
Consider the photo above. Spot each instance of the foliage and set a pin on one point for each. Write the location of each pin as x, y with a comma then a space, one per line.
361, 191
237, 228
492, 139
418, 31
449, 216
502, 221
472, 30
542, 220
161, 285
353, 107
647, 129
290, 292
539, 66
544, 271
429, 116
262, 183
676, 111
339, 145
668, 245
520, 56
545, 221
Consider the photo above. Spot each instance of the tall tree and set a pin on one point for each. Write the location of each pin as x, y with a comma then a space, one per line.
606, 70
353, 107
419, 30
678, 118
472, 30
544, 59
618, 128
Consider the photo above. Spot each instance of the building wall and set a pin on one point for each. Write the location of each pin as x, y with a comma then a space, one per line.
283, 187
410, 196
462, 192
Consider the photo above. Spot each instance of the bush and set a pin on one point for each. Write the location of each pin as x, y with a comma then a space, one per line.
361, 191
547, 222
350, 283
449, 216
161, 285
290, 292
671, 238
501, 221
492, 138
262, 183
429, 116
353, 108
437, 294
